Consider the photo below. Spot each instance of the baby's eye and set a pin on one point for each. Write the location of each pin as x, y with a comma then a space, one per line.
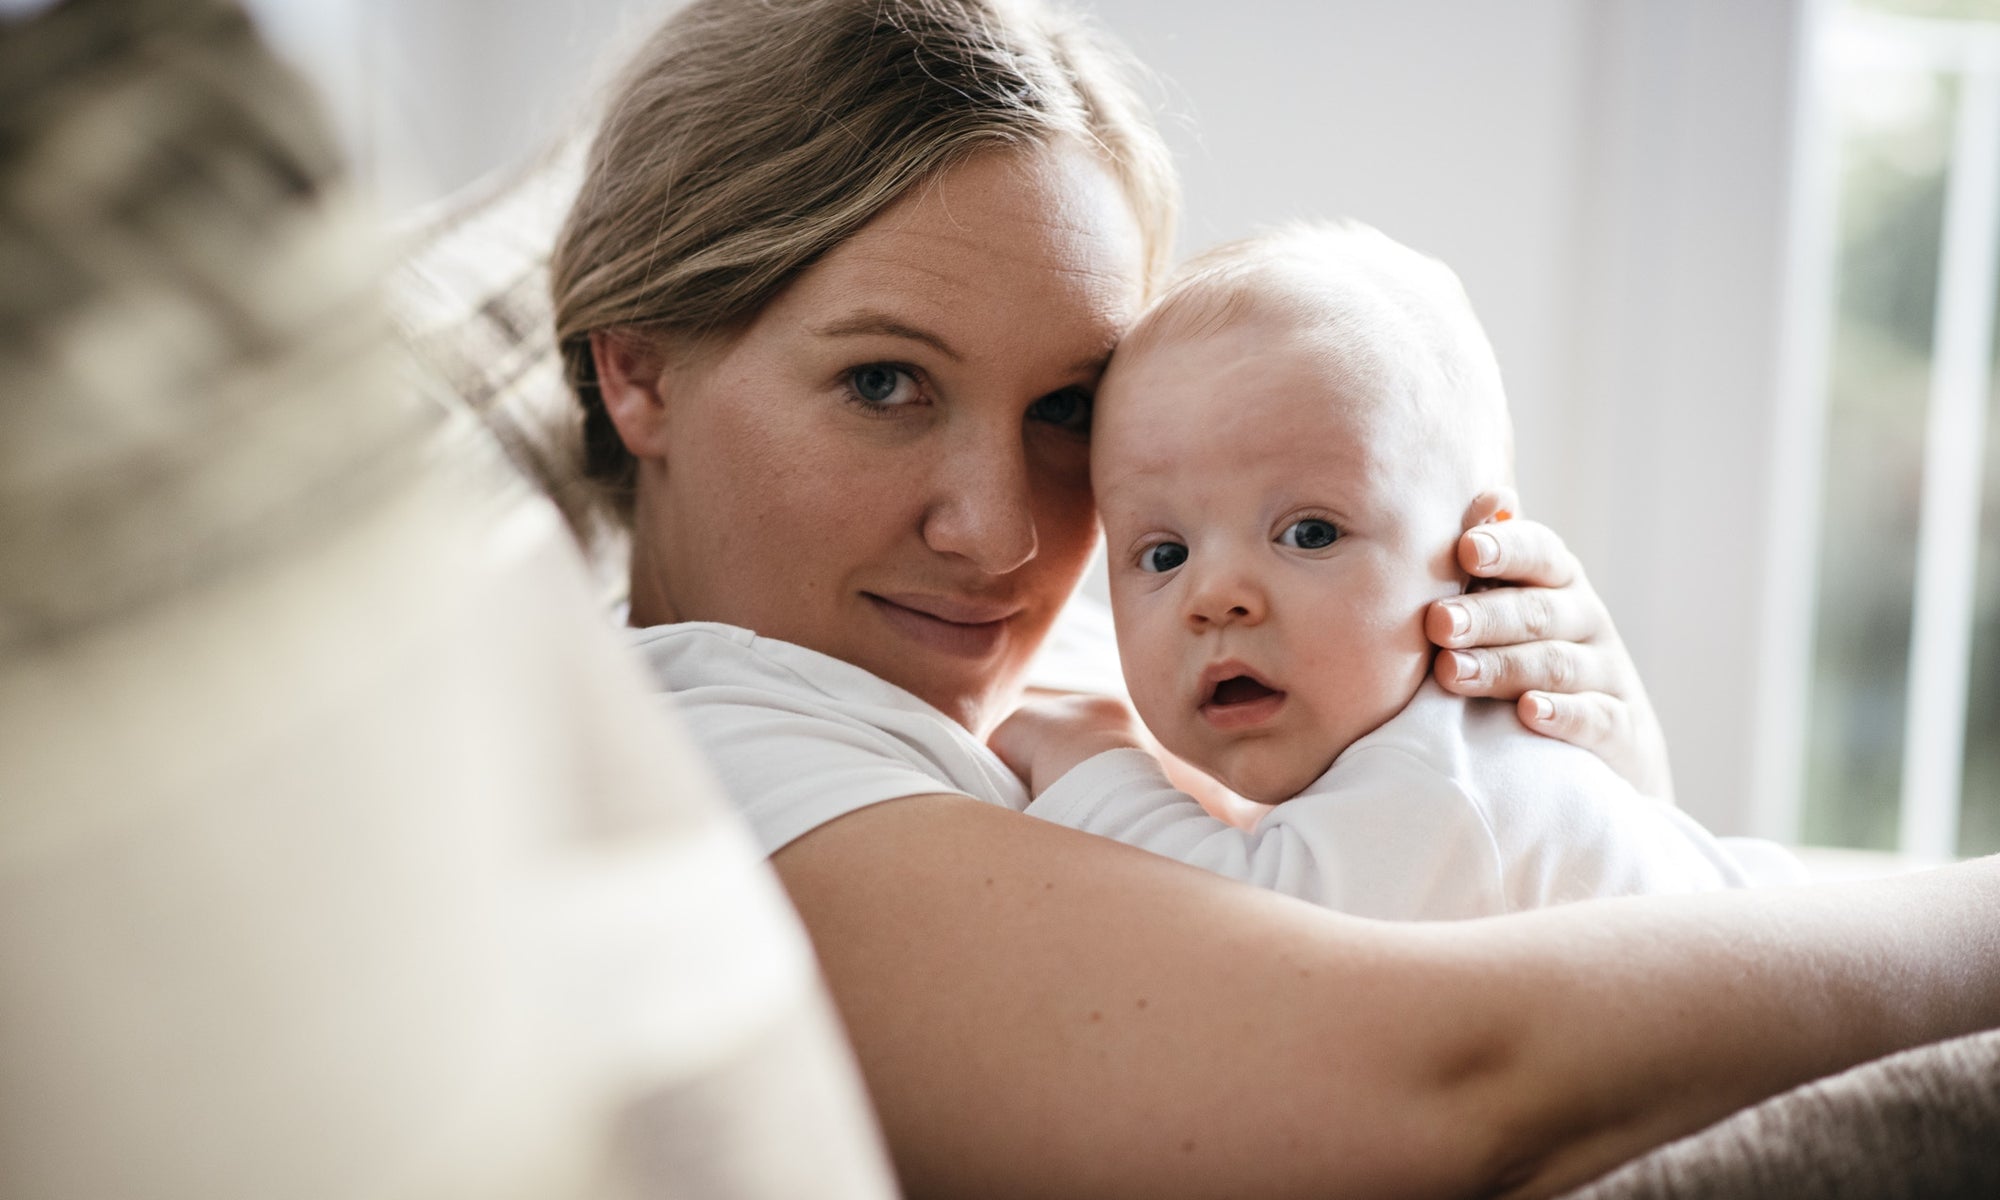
1309, 534
1162, 557
1069, 409
879, 385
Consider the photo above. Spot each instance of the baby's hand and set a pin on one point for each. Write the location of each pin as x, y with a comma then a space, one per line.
1047, 736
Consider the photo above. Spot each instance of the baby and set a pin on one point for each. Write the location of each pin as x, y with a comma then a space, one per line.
1285, 452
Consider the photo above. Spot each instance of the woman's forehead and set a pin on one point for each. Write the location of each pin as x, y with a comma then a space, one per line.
1043, 237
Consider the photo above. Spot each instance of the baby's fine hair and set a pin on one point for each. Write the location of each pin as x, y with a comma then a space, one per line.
1396, 322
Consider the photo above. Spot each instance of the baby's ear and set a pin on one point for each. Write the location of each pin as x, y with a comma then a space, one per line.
1500, 504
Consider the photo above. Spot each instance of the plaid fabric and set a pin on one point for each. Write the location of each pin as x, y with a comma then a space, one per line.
193, 363
342, 852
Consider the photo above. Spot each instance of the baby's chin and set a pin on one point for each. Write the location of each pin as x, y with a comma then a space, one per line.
1267, 777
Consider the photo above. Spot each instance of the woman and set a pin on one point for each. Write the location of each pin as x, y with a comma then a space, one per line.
834, 295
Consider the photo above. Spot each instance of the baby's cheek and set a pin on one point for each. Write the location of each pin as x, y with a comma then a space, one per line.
1148, 659
1167, 716
1393, 646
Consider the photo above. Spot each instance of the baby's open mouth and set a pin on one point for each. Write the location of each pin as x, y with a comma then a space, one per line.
1239, 689
1241, 702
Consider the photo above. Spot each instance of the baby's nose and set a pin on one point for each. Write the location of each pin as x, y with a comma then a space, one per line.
1224, 598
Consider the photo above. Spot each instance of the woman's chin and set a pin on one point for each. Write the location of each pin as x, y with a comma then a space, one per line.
965, 670
968, 696
975, 695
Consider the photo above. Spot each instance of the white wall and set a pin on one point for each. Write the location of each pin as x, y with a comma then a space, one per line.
1608, 176
433, 94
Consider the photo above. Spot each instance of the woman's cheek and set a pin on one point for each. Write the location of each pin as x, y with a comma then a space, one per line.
1066, 531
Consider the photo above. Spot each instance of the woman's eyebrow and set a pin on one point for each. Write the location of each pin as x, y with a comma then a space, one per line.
876, 324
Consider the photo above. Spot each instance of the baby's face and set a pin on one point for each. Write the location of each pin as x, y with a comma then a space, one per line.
1274, 537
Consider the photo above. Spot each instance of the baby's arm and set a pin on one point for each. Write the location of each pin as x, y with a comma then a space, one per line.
1408, 846
1047, 736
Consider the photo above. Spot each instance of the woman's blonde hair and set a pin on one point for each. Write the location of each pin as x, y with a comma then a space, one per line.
750, 137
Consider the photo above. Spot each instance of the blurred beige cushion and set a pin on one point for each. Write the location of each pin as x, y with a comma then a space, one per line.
343, 850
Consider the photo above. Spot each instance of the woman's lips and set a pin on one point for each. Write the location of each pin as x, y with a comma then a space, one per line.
1235, 699
955, 626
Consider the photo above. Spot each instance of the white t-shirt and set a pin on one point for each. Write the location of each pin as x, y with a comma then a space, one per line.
1448, 810
799, 737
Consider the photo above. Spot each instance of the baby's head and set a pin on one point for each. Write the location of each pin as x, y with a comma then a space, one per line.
1285, 451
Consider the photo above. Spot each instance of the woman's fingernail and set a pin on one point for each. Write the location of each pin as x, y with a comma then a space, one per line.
1467, 666
1540, 708
1461, 621
1486, 548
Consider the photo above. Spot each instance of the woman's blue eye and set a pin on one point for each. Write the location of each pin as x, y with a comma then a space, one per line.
881, 385
1309, 534
1069, 408
1163, 556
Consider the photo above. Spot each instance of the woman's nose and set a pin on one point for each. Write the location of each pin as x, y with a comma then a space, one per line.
1222, 594
982, 509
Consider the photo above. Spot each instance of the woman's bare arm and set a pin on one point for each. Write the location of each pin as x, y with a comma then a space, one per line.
1043, 1012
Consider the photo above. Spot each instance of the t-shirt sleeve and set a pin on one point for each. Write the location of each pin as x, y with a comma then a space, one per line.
789, 770
1406, 845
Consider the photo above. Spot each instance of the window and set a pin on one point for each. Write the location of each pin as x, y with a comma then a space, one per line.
1902, 736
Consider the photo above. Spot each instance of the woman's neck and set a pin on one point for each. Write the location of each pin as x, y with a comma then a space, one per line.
648, 603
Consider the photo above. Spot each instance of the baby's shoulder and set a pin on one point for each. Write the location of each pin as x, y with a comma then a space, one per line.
1482, 746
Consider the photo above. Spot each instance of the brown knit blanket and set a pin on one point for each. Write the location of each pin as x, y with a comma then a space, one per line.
1921, 1125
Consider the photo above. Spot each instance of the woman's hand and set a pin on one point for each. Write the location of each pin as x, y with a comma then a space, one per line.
1546, 641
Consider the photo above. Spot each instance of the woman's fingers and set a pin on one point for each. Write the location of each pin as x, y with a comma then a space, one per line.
1591, 720
1608, 727
1508, 616
1518, 551
1505, 672
1584, 695
1548, 643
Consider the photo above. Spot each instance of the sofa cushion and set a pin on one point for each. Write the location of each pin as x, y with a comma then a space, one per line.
1921, 1125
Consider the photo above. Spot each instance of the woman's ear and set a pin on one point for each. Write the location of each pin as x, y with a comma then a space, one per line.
1500, 504
631, 380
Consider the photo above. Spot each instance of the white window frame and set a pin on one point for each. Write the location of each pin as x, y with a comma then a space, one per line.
1844, 41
